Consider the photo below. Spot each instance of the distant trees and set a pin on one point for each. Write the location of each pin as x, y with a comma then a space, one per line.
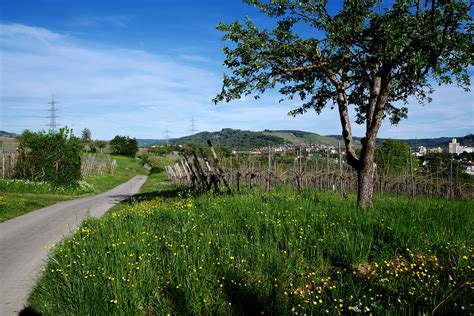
52, 157
86, 135
392, 156
124, 145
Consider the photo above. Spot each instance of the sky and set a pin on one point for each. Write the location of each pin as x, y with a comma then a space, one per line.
147, 68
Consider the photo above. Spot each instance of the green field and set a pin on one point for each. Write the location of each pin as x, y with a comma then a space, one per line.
263, 253
20, 197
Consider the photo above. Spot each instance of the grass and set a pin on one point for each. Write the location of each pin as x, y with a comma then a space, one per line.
20, 197
126, 169
263, 253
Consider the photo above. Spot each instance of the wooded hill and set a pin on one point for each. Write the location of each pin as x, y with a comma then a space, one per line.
245, 140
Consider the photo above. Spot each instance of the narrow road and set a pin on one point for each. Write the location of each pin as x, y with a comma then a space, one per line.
24, 240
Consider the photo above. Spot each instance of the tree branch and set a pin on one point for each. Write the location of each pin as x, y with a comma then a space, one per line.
374, 94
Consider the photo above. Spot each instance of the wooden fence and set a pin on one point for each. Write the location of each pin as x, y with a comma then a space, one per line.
98, 165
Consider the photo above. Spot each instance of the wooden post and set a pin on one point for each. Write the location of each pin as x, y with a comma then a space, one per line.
269, 184
412, 177
186, 172
341, 184
327, 169
194, 177
451, 178
231, 170
202, 176
238, 175
216, 162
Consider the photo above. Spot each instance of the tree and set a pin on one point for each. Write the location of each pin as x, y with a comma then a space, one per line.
86, 135
53, 157
101, 144
124, 145
392, 156
371, 55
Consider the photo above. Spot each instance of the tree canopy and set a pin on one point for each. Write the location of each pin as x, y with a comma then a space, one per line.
124, 145
392, 155
369, 55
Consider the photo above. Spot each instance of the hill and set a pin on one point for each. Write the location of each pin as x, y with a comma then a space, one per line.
245, 140
232, 138
7, 134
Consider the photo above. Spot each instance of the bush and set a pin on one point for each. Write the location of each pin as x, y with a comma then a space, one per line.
50, 157
124, 145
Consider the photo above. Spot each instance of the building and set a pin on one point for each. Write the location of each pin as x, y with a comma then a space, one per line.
456, 148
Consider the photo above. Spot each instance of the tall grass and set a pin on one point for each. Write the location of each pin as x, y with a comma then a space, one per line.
279, 253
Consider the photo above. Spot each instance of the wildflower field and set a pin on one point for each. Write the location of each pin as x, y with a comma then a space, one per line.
278, 253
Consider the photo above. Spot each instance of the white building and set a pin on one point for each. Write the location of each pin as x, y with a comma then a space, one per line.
456, 148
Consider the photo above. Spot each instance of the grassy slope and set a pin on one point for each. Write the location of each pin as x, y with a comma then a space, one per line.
279, 252
13, 204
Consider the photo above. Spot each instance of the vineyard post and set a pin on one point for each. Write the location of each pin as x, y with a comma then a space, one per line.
269, 185
327, 168
197, 165
219, 169
185, 170
194, 177
231, 178
341, 184
412, 177
238, 180
451, 178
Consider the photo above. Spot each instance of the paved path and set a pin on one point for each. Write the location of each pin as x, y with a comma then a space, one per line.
24, 240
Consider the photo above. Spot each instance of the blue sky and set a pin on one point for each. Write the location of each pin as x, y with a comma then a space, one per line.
140, 67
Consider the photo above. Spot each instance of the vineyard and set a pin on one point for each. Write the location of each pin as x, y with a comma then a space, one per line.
328, 172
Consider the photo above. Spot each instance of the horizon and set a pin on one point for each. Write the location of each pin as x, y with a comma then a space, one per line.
143, 68
257, 131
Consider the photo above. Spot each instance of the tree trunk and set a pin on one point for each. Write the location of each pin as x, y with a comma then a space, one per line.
365, 185
366, 174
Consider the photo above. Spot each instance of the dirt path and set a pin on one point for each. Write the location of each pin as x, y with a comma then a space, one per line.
24, 240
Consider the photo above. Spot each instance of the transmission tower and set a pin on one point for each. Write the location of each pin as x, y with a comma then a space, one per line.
52, 116
192, 128
167, 136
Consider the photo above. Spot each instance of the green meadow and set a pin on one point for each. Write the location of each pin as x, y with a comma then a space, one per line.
286, 252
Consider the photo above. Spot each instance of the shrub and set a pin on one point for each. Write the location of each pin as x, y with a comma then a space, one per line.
50, 157
124, 145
